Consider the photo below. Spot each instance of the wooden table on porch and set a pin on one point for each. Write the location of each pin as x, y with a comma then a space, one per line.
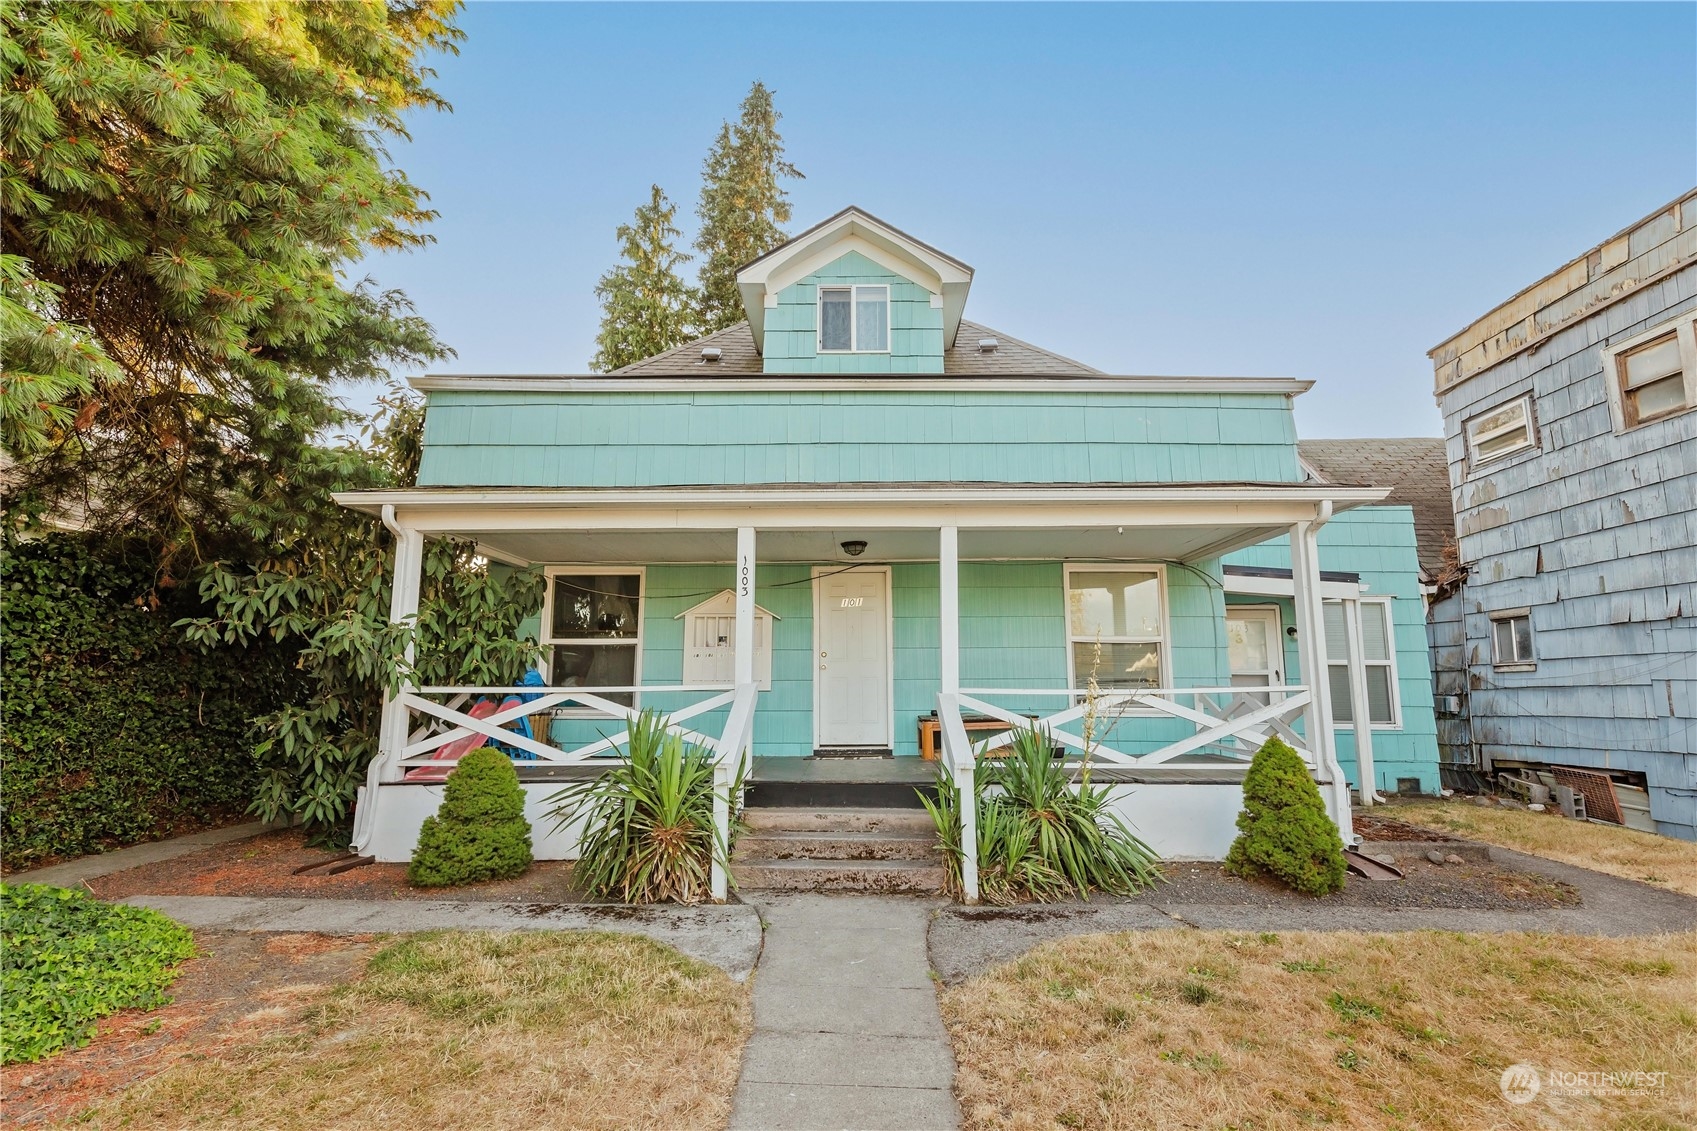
930, 726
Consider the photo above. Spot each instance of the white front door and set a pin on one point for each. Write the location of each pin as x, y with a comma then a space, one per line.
1254, 647
852, 633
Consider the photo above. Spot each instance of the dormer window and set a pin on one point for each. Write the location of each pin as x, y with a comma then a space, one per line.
854, 319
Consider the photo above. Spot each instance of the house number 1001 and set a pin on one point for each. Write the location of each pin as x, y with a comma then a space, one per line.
853, 602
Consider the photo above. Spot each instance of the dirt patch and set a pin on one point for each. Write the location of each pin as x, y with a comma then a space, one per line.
1386, 829
1471, 886
241, 986
265, 866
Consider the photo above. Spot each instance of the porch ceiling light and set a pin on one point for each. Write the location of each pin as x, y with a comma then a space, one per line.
854, 547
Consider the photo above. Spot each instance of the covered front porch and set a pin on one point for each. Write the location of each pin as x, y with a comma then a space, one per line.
798, 623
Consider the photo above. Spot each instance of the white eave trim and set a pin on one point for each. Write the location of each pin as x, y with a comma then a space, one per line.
1283, 386
1244, 585
731, 497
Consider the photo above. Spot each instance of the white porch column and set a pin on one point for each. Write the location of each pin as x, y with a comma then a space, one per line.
948, 583
745, 606
393, 727
1311, 652
1361, 715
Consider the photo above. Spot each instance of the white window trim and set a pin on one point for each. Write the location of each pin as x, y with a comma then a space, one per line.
1686, 328
546, 637
1497, 662
854, 290
1389, 605
1165, 640
1474, 459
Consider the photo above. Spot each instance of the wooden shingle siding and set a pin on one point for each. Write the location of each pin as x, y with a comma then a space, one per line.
626, 439
1595, 531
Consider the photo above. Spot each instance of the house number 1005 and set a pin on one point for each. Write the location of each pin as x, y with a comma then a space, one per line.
853, 602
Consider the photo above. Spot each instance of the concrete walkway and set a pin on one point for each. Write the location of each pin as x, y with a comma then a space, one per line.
846, 1028
727, 936
73, 872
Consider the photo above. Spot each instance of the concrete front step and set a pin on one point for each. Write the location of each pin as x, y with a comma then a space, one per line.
885, 877
814, 845
763, 819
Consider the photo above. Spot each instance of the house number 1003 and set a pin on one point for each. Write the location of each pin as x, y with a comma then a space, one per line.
853, 602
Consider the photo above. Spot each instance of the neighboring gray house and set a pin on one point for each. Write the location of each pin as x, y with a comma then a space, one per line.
1571, 642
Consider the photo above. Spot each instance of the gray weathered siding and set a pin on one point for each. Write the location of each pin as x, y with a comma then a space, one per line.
1595, 531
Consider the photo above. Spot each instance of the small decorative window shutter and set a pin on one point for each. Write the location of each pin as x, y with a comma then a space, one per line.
710, 642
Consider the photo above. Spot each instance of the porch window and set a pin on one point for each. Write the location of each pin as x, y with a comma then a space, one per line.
1116, 627
592, 628
854, 319
1378, 657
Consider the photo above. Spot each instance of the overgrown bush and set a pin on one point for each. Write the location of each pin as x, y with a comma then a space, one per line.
1283, 830
480, 832
117, 729
69, 960
648, 834
1041, 835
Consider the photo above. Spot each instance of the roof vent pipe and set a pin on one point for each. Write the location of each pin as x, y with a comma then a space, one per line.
711, 353
987, 345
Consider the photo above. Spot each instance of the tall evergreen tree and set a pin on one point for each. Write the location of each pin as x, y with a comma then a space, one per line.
184, 187
645, 306
743, 205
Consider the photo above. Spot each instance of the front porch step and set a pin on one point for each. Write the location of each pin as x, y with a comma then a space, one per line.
815, 794
878, 877
764, 846
782, 819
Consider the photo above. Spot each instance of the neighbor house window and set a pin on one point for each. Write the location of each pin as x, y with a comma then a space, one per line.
1378, 658
1511, 638
854, 319
592, 629
1116, 627
1500, 433
1654, 379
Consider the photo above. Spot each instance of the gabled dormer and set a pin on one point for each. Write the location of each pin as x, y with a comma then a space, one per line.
854, 295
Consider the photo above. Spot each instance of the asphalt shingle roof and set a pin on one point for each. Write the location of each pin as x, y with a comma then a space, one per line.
1415, 469
1011, 357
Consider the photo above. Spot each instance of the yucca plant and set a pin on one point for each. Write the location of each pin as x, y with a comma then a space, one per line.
1040, 835
648, 834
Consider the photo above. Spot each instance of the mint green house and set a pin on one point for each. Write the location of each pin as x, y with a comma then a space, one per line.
860, 523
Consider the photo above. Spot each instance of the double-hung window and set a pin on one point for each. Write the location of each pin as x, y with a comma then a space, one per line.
1500, 433
1378, 658
592, 629
854, 319
1116, 627
1511, 639
1652, 376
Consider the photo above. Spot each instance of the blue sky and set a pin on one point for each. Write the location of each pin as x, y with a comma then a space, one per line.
1321, 191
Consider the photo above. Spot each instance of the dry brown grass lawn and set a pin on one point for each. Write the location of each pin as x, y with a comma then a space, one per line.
449, 1030
1658, 860
1193, 1029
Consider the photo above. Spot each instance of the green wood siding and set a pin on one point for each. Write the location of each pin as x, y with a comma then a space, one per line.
1378, 544
973, 435
792, 330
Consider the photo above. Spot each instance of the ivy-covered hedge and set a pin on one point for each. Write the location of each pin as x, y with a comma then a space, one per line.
115, 728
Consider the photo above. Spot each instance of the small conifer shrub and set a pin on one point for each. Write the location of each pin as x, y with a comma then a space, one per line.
480, 832
1284, 831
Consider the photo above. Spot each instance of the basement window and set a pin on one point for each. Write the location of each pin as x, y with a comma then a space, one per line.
1500, 433
854, 319
1511, 639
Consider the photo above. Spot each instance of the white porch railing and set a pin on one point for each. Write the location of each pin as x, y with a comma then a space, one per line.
1229, 721
1232, 721
443, 718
